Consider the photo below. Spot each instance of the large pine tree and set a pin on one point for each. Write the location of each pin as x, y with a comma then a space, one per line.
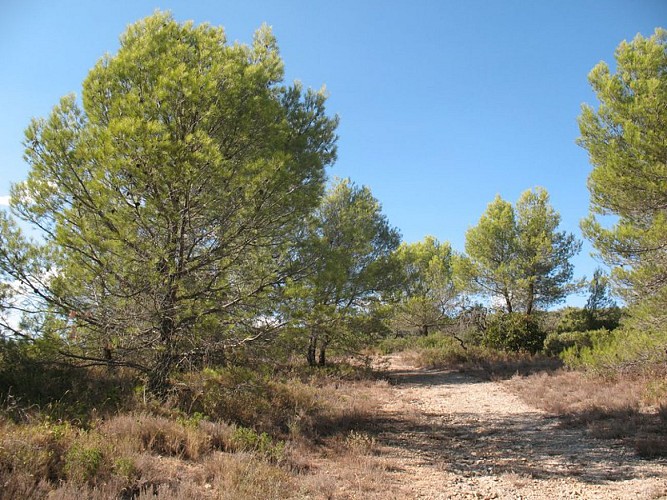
168, 200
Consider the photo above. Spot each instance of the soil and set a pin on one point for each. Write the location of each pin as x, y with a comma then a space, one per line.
445, 434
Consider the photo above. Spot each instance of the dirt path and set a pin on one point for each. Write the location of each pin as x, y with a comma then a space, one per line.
449, 435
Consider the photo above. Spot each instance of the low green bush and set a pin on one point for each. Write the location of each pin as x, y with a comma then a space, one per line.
126, 468
391, 345
244, 439
624, 349
443, 354
555, 343
246, 398
514, 332
575, 319
82, 463
437, 340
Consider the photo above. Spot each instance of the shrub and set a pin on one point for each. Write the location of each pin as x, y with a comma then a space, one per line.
159, 435
244, 439
38, 449
436, 340
361, 442
82, 463
651, 446
655, 393
34, 384
126, 468
574, 319
391, 345
556, 343
246, 398
514, 332
446, 355
624, 349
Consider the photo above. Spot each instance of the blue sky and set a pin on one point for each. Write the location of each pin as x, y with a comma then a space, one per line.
443, 104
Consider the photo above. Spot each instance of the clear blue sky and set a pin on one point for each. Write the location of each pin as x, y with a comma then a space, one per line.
443, 104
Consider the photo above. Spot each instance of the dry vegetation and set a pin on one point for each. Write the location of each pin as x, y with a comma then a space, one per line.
632, 408
302, 426
442, 351
291, 432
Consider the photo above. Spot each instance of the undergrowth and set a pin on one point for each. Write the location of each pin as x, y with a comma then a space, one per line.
233, 431
625, 350
628, 407
443, 351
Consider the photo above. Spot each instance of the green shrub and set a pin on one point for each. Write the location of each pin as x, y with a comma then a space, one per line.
32, 383
623, 349
655, 393
556, 343
244, 439
34, 450
126, 468
575, 319
514, 332
391, 345
442, 355
436, 340
82, 463
246, 398
572, 319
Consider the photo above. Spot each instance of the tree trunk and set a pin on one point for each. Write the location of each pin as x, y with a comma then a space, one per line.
508, 302
531, 299
312, 349
589, 317
323, 359
423, 330
158, 377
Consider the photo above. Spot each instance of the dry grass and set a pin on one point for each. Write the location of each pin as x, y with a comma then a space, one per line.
175, 465
486, 363
317, 424
350, 405
220, 476
630, 408
245, 477
161, 436
347, 466
267, 404
344, 462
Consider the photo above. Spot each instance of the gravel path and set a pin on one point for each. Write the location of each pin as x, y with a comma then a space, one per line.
450, 435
